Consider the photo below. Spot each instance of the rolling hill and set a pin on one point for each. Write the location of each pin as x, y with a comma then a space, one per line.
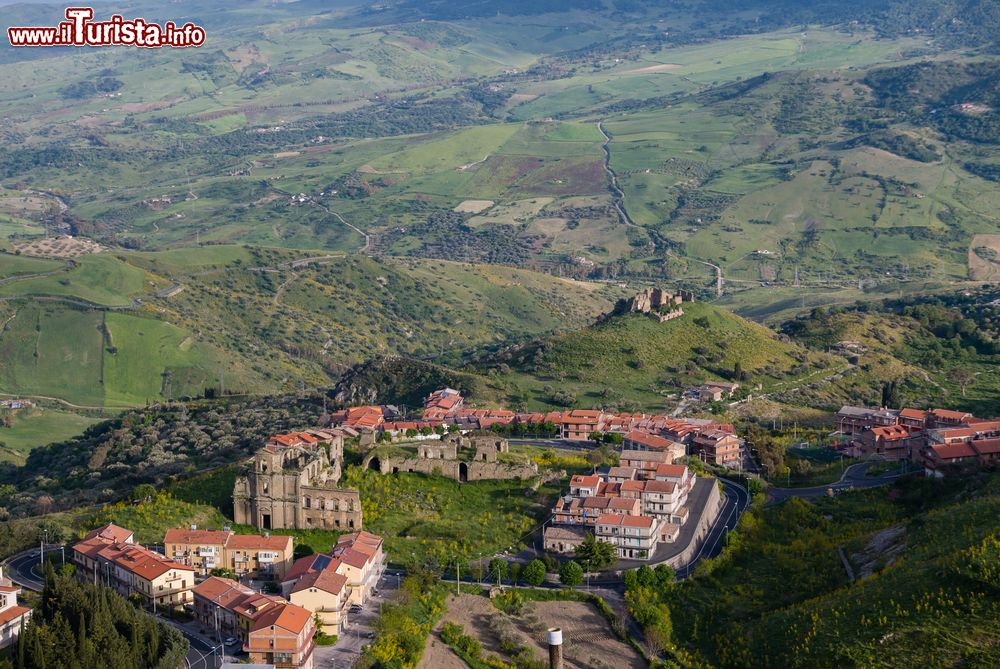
635, 362
119, 330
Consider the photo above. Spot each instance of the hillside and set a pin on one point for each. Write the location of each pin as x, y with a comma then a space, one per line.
636, 362
924, 554
939, 350
118, 330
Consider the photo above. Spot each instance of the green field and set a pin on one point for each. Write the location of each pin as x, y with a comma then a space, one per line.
99, 279
39, 426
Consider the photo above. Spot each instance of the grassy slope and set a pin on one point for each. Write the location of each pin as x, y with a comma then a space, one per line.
633, 359
783, 584
38, 426
256, 329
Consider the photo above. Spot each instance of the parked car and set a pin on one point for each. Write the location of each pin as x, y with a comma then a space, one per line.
231, 641
355, 608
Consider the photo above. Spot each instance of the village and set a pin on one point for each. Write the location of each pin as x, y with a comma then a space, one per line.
258, 599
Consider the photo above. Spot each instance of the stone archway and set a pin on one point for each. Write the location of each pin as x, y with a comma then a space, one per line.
463, 471
375, 465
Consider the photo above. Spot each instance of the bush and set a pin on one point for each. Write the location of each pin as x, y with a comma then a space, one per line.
534, 573
571, 573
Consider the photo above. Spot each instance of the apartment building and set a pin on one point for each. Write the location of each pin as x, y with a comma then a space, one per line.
644, 462
131, 569
13, 617
718, 447
634, 537
329, 584
263, 556
282, 635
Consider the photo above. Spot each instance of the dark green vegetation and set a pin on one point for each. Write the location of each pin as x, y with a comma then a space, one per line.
925, 592
403, 624
83, 625
940, 350
157, 445
247, 320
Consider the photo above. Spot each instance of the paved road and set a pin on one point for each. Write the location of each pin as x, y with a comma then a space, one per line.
854, 477
18, 570
352, 640
736, 502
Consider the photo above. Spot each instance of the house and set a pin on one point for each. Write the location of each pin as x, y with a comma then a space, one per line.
201, 549
13, 617
621, 474
914, 418
282, 635
579, 424
644, 462
563, 540
892, 442
634, 537
662, 500
718, 447
679, 474
218, 603
716, 391
328, 584
584, 486
938, 457
325, 593
254, 555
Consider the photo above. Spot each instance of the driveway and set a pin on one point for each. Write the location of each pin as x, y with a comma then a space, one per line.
356, 636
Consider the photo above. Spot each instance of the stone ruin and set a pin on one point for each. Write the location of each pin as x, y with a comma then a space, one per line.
470, 457
654, 302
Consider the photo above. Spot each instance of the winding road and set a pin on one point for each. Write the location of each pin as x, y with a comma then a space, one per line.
618, 201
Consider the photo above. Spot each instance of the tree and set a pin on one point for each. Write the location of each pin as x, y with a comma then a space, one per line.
571, 573
534, 573
497, 570
224, 572
595, 458
301, 551
515, 572
595, 554
144, 491
963, 376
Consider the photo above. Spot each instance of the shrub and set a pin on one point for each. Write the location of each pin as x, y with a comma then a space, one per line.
571, 573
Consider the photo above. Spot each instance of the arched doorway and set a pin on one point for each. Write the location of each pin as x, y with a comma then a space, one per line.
375, 465
463, 472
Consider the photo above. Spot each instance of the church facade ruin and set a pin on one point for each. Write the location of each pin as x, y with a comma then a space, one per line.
292, 482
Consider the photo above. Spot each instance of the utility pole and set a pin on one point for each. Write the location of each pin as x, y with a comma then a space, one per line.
458, 577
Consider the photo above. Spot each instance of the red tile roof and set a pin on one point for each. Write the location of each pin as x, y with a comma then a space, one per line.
110, 533
585, 481
673, 471
326, 580
196, 537
661, 486
275, 542
953, 451
13, 613
625, 521
286, 616
649, 440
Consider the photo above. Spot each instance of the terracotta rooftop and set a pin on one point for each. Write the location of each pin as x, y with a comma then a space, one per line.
649, 440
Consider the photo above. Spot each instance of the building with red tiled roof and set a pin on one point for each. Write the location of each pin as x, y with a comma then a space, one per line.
258, 556
282, 635
132, 569
13, 617
893, 442
634, 537
358, 563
